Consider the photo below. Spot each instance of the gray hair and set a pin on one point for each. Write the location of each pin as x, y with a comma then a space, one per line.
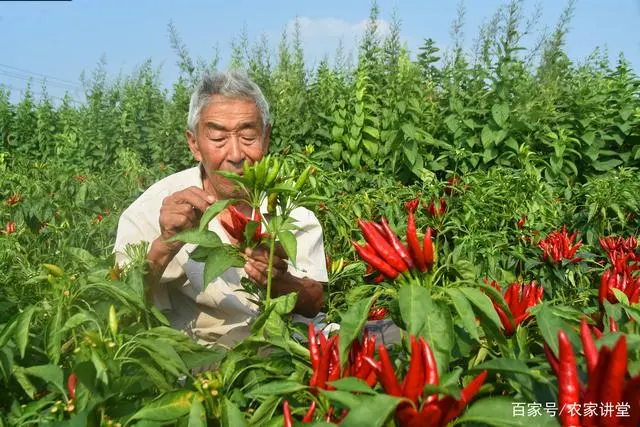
233, 84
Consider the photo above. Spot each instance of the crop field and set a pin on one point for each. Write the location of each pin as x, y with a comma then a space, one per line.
485, 203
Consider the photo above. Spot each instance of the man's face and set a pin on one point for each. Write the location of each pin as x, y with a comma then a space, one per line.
229, 133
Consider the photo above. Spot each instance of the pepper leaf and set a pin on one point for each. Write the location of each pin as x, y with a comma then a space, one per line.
289, 243
373, 411
414, 302
220, 260
213, 210
352, 323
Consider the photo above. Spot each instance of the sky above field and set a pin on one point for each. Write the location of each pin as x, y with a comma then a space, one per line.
58, 40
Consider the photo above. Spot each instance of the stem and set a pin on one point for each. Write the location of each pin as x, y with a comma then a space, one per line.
272, 250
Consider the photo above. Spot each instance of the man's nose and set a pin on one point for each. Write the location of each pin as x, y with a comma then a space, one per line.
235, 151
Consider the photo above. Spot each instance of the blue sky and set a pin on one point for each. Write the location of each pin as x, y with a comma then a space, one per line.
60, 39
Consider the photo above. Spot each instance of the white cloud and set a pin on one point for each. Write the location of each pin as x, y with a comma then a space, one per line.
323, 36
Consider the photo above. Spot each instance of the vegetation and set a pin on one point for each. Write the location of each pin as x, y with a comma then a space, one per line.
524, 166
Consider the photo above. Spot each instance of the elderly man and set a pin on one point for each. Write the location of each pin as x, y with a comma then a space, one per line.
228, 124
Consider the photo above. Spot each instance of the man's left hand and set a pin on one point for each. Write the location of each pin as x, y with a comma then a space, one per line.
257, 264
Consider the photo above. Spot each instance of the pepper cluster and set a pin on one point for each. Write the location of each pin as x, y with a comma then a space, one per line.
558, 245
10, 228
384, 251
519, 298
378, 313
608, 382
436, 210
239, 223
624, 261
424, 409
325, 359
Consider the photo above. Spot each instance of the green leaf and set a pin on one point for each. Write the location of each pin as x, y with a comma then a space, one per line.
290, 244
220, 260
197, 414
500, 114
352, 323
549, 324
20, 376
504, 364
352, 384
483, 303
22, 329
52, 374
213, 210
500, 411
231, 415
277, 388
166, 407
465, 311
372, 412
206, 238
487, 136
439, 334
414, 302
373, 132
53, 344
606, 165
345, 398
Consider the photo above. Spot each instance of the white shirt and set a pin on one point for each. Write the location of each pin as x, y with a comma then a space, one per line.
219, 309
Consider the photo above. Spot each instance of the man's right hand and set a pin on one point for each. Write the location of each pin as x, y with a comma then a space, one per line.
182, 211
179, 212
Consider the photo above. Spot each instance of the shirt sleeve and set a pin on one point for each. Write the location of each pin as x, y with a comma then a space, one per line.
310, 256
133, 229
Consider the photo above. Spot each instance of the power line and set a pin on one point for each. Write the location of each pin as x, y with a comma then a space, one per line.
38, 74
10, 87
28, 78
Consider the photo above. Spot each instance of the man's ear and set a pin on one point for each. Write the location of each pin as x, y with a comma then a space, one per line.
193, 146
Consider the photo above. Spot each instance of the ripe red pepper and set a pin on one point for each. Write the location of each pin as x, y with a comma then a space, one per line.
613, 384
288, 421
412, 238
589, 347
414, 381
71, 385
314, 353
381, 246
568, 383
308, 417
396, 243
375, 261
427, 249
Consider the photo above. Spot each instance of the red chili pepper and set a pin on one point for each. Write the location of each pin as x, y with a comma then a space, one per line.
594, 386
314, 354
612, 325
375, 261
569, 387
387, 374
381, 246
427, 248
614, 379
414, 380
430, 368
589, 347
552, 359
308, 417
466, 395
396, 243
71, 385
521, 221
288, 421
412, 239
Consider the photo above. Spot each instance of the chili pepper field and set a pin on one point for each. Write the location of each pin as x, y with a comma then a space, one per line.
484, 203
